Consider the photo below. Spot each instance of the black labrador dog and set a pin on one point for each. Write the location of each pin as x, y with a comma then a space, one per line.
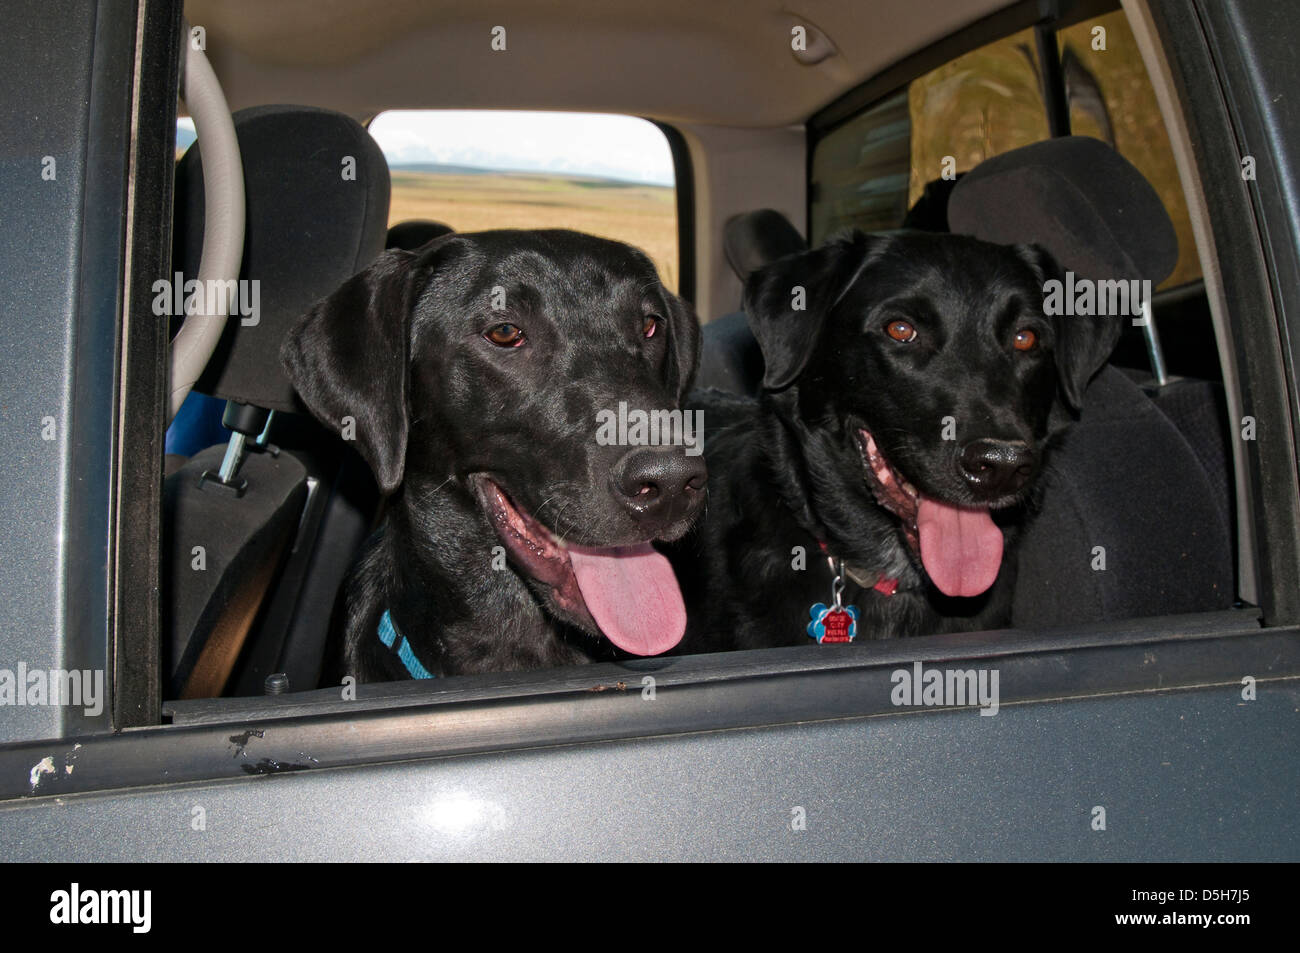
473, 374
913, 389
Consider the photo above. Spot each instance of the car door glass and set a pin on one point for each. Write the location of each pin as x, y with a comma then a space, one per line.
870, 171
608, 175
1111, 99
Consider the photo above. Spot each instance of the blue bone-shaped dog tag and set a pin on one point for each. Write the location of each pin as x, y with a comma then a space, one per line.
833, 625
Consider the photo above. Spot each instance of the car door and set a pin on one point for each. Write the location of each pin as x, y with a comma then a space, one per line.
1157, 738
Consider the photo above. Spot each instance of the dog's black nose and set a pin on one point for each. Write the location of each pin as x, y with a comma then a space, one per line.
660, 485
997, 467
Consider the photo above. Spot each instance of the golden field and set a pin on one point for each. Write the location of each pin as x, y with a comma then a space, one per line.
641, 215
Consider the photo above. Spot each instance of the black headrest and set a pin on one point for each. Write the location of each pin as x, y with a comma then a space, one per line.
417, 232
754, 239
316, 197
1079, 199
930, 212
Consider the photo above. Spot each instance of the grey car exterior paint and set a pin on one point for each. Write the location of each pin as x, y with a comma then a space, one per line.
59, 264
1167, 768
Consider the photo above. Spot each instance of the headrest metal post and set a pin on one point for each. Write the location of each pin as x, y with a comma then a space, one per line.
1155, 353
234, 458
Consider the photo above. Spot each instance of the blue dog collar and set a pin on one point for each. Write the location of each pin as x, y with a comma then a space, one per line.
388, 634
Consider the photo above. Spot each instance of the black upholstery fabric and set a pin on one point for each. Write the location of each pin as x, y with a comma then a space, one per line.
242, 538
308, 229
1079, 199
930, 212
1199, 410
416, 233
1128, 481
753, 239
289, 636
730, 358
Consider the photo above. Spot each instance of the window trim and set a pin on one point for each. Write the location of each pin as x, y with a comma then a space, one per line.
1051, 75
684, 190
419, 720
1251, 255
135, 620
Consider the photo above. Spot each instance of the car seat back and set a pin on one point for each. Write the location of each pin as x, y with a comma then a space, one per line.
317, 192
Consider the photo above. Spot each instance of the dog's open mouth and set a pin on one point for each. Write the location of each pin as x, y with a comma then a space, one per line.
960, 547
627, 593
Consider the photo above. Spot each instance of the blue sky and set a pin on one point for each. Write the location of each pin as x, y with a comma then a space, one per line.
616, 147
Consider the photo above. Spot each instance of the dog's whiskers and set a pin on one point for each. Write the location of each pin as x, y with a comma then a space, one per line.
442, 484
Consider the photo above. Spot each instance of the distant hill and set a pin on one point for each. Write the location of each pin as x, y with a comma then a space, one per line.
590, 181
476, 200
439, 168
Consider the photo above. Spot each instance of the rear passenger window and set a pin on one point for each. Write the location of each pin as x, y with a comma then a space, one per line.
870, 171
873, 171
976, 107
1111, 99
610, 176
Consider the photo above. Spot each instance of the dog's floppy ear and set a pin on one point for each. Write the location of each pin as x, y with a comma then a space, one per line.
684, 332
1083, 342
787, 303
349, 360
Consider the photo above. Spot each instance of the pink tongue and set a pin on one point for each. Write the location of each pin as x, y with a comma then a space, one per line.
960, 549
632, 594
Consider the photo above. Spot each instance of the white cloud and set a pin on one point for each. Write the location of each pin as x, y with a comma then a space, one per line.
618, 147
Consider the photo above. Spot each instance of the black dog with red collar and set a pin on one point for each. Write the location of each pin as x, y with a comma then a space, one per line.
913, 389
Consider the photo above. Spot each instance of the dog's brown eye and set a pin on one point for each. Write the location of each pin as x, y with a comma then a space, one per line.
1025, 340
505, 335
650, 325
901, 331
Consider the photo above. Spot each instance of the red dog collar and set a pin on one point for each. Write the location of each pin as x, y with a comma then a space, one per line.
886, 586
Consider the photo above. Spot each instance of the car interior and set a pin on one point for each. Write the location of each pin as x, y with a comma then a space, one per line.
775, 149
